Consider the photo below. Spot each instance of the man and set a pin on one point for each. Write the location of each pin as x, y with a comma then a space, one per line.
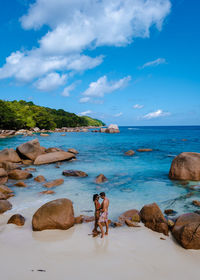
104, 214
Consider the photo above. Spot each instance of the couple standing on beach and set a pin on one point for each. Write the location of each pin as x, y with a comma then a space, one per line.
101, 214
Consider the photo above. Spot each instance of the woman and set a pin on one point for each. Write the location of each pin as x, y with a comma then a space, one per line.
97, 206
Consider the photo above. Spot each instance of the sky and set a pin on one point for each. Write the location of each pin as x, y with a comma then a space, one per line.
129, 62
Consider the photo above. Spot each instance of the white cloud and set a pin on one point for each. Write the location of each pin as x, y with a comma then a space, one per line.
88, 112
50, 82
138, 106
75, 26
84, 99
156, 114
102, 86
118, 115
68, 89
155, 62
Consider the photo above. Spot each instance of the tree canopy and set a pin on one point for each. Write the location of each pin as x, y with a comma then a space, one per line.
22, 114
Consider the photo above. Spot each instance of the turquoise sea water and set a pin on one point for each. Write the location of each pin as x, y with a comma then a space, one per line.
133, 181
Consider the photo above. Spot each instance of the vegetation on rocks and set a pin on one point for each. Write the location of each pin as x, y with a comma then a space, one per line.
22, 114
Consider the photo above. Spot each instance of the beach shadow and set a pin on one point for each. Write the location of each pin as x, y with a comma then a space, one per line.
101, 244
53, 235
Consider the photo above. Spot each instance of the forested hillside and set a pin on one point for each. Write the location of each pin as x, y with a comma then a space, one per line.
22, 114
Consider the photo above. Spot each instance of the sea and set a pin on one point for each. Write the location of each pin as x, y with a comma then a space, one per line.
133, 181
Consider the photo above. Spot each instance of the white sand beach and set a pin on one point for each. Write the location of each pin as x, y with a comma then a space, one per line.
127, 253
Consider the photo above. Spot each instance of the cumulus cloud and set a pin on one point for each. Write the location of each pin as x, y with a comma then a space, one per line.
102, 86
118, 114
156, 114
75, 26
68, 89
50, 82
85, 99
155, 62
88, 112
138, 106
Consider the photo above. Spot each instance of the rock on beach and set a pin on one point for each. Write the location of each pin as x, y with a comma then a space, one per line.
56, 214
186, 231
17, 219
5, 206
153, 218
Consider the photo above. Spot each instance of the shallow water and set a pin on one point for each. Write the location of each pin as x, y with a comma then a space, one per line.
133, 181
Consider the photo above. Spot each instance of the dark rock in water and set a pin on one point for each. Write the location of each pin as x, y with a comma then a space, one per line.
186, 166
19, 174
21, 184
196, 203
30, 169
17, 219
197, 212
73, 151
100, 179
9, 155
4, 206
56, 214
170, 212
53, 157
39, 179
132, 215
47, 192
75, 173
153, 218
117, 224
187, 231
54, 183
30, 150
195, 188
129, 153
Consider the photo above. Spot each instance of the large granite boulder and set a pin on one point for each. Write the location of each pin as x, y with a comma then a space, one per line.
19, 174
10, 165
56, 214
17, 219
186, 166
9, 155
30, 150
132, 215
5, 206
53, 157
113, 128
187, 230
3, 176
5, 189
153, 218
74, 173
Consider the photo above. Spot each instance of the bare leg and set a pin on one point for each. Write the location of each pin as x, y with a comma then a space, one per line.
106, 233
101, 228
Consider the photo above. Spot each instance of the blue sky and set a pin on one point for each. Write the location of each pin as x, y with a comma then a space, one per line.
130, 62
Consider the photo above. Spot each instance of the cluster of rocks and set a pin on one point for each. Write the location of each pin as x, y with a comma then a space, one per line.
131, 152
59, 214
112, 128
